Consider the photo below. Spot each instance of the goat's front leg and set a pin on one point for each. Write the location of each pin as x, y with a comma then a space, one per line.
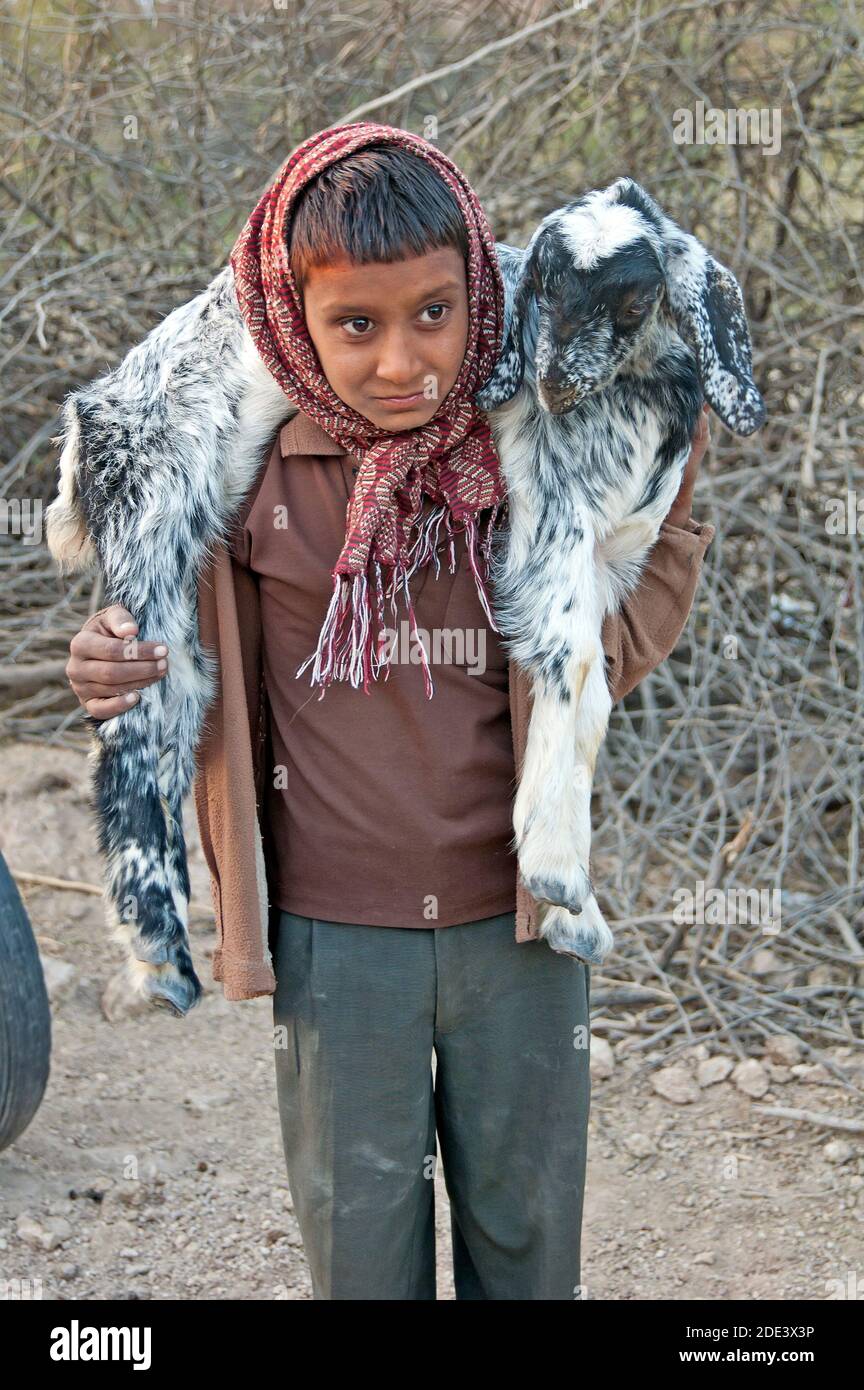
618, 563
571, 707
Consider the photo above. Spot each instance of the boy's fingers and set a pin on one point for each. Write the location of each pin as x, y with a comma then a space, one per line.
91, 645
118, 623
101, 678
107, 709
114, 619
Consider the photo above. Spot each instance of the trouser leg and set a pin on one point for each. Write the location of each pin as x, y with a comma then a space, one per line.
512, 1095
353, 1020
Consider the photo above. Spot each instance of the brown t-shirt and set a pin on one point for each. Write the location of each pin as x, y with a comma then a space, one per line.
388, 809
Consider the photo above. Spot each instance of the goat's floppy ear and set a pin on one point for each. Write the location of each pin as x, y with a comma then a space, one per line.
509, 370
708, 308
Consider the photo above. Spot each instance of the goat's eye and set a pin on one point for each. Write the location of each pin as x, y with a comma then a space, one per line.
635, 310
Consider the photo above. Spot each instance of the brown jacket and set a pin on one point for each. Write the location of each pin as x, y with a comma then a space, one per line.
234, 749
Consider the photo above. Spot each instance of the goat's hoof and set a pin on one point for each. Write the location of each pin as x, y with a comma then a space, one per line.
172, 986
571, 893
585, 935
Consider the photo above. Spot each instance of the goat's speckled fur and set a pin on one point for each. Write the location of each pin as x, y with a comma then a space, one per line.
593, 418
157, 456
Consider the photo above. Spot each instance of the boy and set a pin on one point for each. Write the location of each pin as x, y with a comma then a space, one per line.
389, 864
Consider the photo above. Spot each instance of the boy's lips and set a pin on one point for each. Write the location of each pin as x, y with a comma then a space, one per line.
401, 402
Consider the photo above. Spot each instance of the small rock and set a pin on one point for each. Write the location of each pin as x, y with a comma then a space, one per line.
129, 1194
204, 1099
43, 1235
782, 1075
838, 1151
713, 1069
602, 1059
68, 1271
271, 1236
676, 1084
61, 978
853, 1060
784, 1049
751, 1078
639, 1145
120, 1001
811, 1074
705, 1257
764, 962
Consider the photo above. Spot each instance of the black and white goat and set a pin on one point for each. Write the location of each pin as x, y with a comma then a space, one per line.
620, 323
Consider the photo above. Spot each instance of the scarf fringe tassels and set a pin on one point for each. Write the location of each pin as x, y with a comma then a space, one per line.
352, 644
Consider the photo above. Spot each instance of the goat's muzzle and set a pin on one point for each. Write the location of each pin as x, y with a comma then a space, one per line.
558, 400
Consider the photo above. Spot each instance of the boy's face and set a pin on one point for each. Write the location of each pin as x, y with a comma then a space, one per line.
390, 330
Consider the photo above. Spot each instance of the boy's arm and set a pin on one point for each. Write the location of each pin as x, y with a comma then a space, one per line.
646, 628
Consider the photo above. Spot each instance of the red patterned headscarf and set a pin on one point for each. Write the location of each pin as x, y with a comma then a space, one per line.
452, 458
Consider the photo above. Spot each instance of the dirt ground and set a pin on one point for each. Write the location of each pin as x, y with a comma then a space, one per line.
154, 1168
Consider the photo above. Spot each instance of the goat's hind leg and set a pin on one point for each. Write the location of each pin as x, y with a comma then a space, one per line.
545, 816
571, 705
572, 923
583, 931
618, 564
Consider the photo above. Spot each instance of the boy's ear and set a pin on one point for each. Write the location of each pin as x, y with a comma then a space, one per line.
509, 370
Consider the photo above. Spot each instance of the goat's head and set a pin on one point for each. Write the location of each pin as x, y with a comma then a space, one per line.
601, 270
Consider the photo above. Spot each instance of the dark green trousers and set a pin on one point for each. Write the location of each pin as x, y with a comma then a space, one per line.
358, 1011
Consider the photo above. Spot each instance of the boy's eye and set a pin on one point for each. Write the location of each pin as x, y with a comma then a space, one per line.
347, 323
439, 312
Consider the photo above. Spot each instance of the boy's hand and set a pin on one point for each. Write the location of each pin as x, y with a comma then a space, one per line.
679, 512
108, 665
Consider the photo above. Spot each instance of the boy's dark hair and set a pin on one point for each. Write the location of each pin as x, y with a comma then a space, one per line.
380, 204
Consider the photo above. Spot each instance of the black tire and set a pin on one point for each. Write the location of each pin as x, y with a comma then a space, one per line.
25, 1016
